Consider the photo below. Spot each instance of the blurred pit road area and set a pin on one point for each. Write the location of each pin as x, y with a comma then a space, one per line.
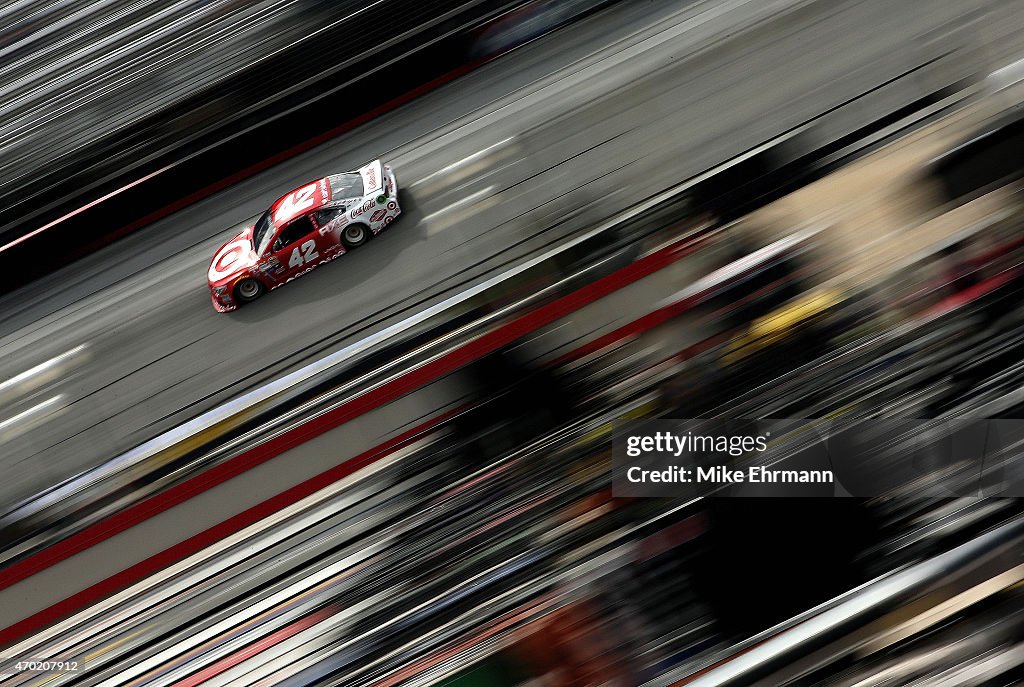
409, 484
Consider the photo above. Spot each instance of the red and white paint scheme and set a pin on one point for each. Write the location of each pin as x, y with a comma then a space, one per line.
303, 229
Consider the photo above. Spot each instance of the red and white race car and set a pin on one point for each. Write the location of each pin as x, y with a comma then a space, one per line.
311, 225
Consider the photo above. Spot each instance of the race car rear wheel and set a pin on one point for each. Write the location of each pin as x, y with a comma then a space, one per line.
248, 290
355, 235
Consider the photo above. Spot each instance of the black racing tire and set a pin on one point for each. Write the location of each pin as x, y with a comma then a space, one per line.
248, 290
355, 235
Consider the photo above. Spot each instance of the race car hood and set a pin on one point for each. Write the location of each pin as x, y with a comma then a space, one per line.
233, 259
373, 178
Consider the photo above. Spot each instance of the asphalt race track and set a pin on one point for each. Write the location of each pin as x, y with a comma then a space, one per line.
519, 154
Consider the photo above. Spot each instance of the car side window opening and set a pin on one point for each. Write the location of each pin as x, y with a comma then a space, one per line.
325, 217
295, 231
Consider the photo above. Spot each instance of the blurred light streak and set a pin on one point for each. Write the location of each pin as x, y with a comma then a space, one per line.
52, 367
944, 610
7, 425
83, 208
446, 170
435, 228
1007, 76
255, 648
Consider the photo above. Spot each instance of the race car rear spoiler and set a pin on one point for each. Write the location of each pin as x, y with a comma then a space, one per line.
373, 177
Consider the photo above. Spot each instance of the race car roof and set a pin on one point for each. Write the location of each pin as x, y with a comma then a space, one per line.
300, 201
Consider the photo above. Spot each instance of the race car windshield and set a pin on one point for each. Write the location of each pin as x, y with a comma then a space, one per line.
345, 185
261, 234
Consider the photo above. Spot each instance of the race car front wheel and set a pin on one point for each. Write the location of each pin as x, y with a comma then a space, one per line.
249, 290
355, 235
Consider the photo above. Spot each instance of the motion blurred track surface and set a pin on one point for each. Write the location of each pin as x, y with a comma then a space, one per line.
520, 154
